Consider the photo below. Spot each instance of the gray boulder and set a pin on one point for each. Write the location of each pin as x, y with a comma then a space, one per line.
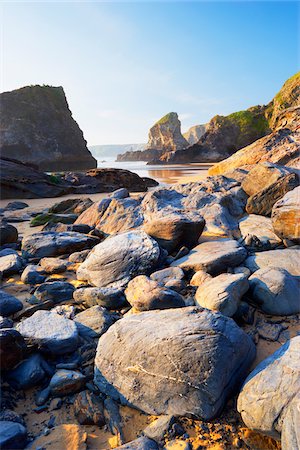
290, 434
118, 259
53, 265
109, 298
13, 435
222, 293
65, 382
144, 294
270, 388
50, 331
55, 292
120, 193
276, 291
49, 243
287, 259
95, 321
185, 361
79, 257
261, 227
9, 304
171, 277
31, 275
29, 373
10, 262
213, 257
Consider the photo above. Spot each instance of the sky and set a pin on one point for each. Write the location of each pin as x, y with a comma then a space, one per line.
123, 65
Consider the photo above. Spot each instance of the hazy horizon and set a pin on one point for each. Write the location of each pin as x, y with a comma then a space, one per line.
125, 65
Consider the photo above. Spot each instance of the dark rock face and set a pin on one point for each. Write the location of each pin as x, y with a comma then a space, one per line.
37, 127
12, 348
8, 233
183, 361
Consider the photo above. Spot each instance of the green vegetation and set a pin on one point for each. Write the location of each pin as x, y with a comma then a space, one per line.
250, 120
54, 179
168, 117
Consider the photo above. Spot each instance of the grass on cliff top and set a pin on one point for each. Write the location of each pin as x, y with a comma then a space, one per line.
166, 118
249, 120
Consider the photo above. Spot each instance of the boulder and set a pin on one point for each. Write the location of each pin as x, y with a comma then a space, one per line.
91, 215
262, 202
173, 231
120, 193
13, 435
144, 294
261, 227
79, 257
260, 409
262, 176
222, 293
290, 433
171, 277
109, 298
213, 257
200, 277
31, 275
118, 259
10, 262
53, 265
177, 444
5, 322
275, 291
286, 216
287, 259
12, 348
15, 205
9, 304
50, 332
55, 292
65, 382
159, 428
141, 443
71, 206
185, 361
8, 233
88, 409
48, 243
29, 373
95, 321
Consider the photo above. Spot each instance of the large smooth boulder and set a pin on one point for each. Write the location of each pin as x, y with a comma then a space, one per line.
222, 293
276, 291
9, 304
8, 233
51, 332
145, 294
118, 259
12, 348
290, 433
185, 361
170, 277
31, 275
94, 321
286, 216
261, 227
287, 259
55, 292
49, 243
262, 202
261, 176
13, 435
109, 298
10, 262
270, 388
213, 257
65, 382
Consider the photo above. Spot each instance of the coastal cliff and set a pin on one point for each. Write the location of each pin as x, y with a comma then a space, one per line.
37, 127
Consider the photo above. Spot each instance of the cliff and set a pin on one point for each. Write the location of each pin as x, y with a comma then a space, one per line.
195, 133
37, 127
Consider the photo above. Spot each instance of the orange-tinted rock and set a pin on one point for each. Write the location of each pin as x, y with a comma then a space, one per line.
286, 216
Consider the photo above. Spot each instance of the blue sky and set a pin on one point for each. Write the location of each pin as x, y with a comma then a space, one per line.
124, 65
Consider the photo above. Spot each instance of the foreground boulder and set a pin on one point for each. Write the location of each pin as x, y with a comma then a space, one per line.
13, 435
261, 176
118, 259
213, 257
270, 388
110, 298
9, 304
286, 216
29, 373
49, 243
94, 321
51, 332
261, 228
10, 262
185, 361
287, 259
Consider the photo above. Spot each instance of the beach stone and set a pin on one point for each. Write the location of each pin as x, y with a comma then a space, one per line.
262, 202
141, 443
53, 265
9, 304
10, 262
114, 262
171, 277
261, 227
65, 382
95, 321
222, 293
50, 331
286, 216
71, 205
261, 176
287, 259
185, 361
270, 388
29, 373
243, 270
144, 294
199, 278
5, 322
177, 444
12, 348
79, 257
120, 193
213, 257
175, 230
8, 233
62, 437
11, 416
159, 427
275, 291
49, 243
109, 298
91, 215
15, 205
290, 434
31, 275
13, 435
88, 409
55, 291
269, 331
